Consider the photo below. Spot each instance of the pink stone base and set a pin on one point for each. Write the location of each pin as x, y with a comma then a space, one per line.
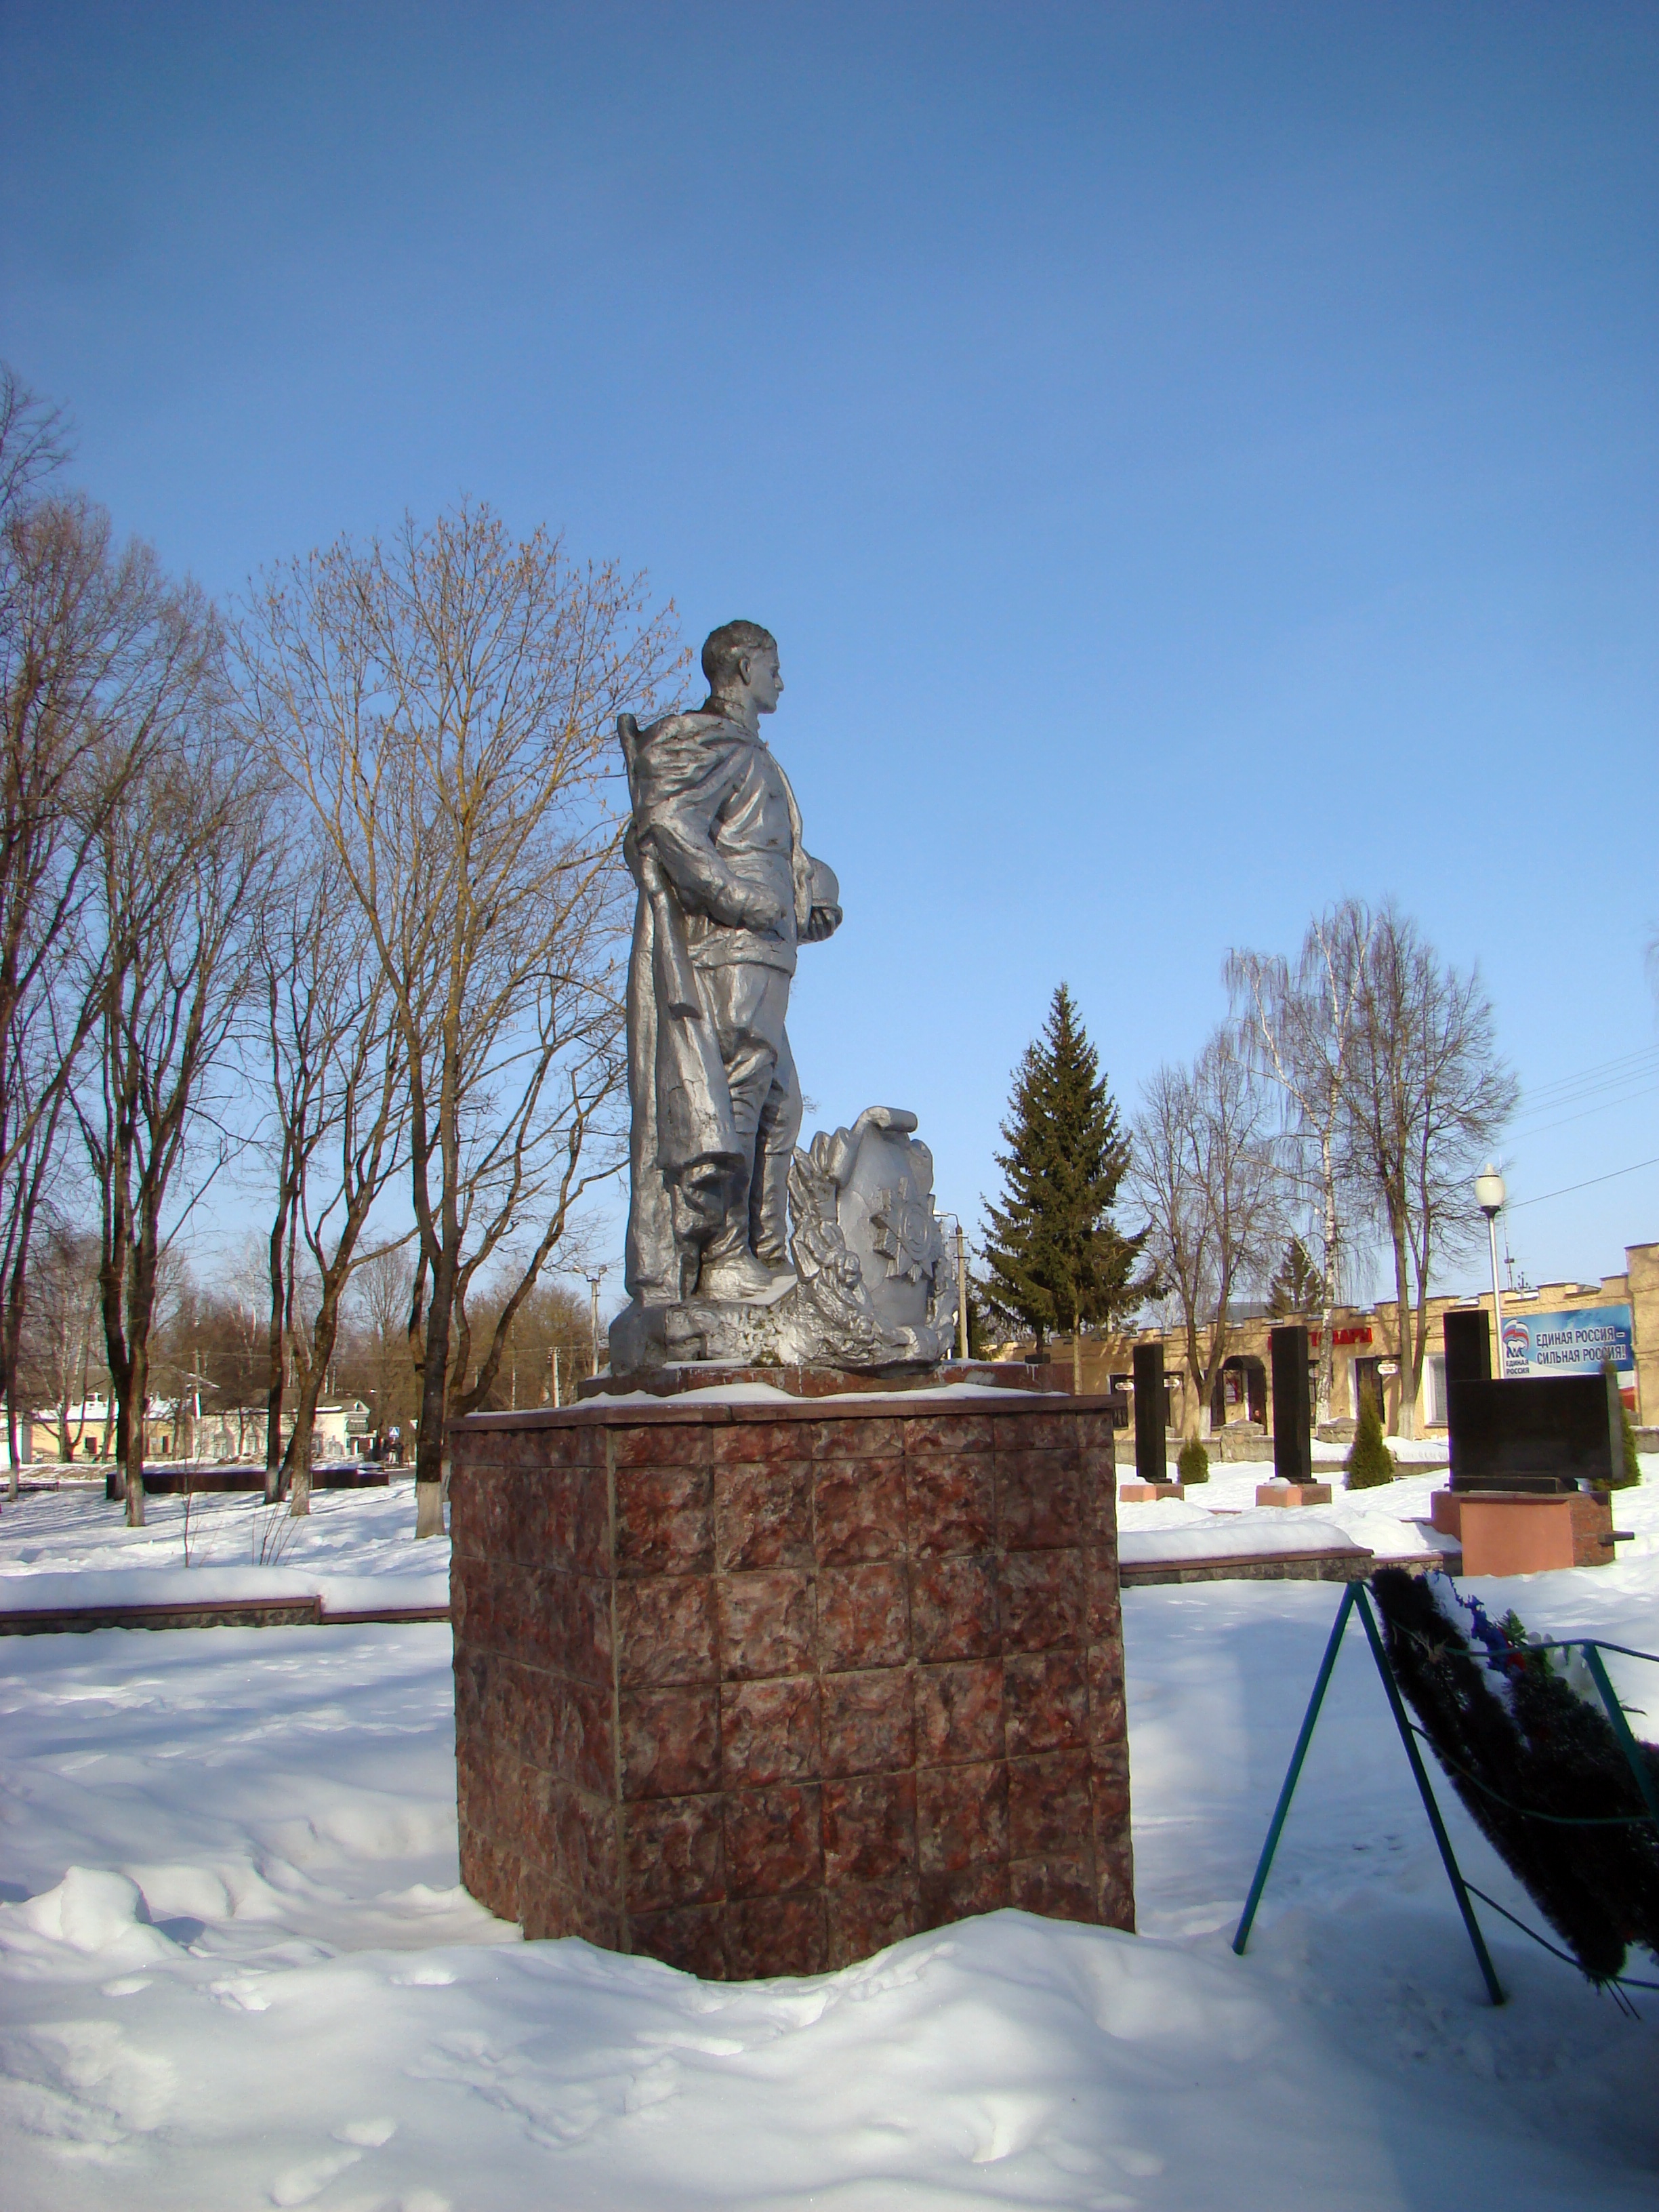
760, 1690
1148, 1493
1293, 1493
1523, 1533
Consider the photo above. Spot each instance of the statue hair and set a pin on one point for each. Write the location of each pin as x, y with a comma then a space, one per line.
723, 648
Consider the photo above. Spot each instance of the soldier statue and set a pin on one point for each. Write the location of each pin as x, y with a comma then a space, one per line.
727, 892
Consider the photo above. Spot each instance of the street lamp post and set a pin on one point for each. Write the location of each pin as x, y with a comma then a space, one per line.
1489, 1196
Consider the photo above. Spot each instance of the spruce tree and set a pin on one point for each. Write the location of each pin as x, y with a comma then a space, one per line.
1054, 1258
1298, 1288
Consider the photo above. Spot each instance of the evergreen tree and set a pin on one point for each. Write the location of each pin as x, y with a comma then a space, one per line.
1370, 1463
1298, 1288
1194, 1464
1054, 1258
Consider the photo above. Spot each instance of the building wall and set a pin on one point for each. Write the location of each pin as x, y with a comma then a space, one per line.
1368, 1332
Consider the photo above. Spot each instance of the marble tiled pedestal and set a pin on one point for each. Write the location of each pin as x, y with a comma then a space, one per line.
759, 1689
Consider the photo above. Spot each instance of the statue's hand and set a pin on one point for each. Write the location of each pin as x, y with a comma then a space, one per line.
822, 922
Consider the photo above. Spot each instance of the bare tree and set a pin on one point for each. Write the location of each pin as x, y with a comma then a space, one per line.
61, 1357
1297, 1026
383, 1297
183, 864
1203, 1167
1427, 1097
341, 1111
446, 704
99, 656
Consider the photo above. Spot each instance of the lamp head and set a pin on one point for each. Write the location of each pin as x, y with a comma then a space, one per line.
1489, 1191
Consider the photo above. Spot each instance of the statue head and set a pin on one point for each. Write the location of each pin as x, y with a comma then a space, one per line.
740, 660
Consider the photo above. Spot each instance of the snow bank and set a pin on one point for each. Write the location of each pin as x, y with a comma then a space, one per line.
236, 1969
1259, 1534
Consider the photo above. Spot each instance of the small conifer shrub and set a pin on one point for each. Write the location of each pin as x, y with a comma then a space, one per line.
1628, 1471
1193, 1465
1370, 1463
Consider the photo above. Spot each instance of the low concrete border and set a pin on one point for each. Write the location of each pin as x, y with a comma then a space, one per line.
213, 1613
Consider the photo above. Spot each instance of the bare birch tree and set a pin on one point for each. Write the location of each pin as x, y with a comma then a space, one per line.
1427, 1097
1203, 1168
1297, 1026
446, 704
183, 862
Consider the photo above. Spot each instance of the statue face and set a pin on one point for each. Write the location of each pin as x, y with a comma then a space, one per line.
761, 679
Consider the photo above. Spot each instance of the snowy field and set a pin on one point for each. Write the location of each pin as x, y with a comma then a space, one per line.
236, 1968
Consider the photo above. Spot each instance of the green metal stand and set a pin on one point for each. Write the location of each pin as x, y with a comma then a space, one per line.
1357, 1598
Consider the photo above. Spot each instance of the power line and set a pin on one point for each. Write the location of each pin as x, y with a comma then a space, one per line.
1612, 1177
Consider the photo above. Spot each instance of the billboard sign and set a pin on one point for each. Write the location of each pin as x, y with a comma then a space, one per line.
1578, 1342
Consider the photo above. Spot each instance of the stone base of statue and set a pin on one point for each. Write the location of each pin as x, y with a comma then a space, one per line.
760, 1687
873, 1288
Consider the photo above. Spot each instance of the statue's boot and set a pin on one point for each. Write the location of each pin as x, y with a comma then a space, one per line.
738, 1276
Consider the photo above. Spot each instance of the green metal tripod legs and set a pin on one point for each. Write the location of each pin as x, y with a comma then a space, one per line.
1357, 1598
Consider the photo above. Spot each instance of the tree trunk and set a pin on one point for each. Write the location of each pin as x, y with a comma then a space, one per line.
1406, 1414
431, 1455
134, 1398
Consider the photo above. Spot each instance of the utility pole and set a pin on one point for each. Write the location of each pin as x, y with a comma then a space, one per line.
593, 1282
962, 1294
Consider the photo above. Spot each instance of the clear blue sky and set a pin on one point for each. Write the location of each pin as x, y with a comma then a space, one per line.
1198, 460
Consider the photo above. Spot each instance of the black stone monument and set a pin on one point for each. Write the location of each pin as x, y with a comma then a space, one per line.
1287, 1352
1151, 1415
1541, 1433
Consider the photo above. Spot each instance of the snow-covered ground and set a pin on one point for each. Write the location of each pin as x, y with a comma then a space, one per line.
355, 1549
235, 1967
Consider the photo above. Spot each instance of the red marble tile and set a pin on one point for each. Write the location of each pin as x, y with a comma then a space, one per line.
770, 1935
659, 1443
864, 1918
859, 1511
1040, 1600
1110, 1792
962, 1896
1095, 1432
1039, 1500
766, 1624
1049, 1810
1059, 1888
672, 1852
1114, 1887
953, 1608
558, 1620
864, 1617
581, 1736
864, 1435
671, 1741
577, 1842
959, 1712
962, 1816
743, 1443
691, 1937
1105, 1619
951, 1502
763, 1515
946, 1433
665, 1631
1100, 1500
771, 1840
665, 1521
769, 1731
1108, 1723
1045, 1701
867, 1722
869, 1828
